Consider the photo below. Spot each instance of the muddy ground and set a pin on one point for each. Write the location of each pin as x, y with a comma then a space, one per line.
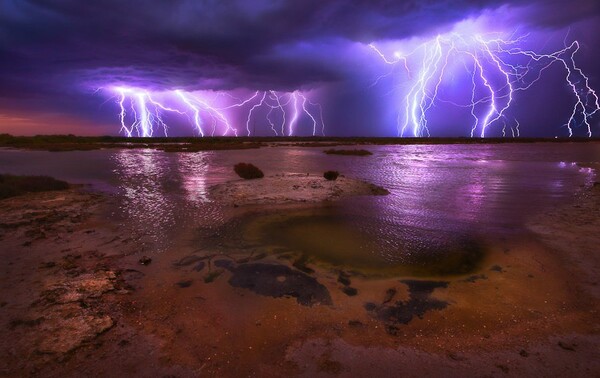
79, 299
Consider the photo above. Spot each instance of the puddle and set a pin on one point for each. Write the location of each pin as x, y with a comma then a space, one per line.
325, 236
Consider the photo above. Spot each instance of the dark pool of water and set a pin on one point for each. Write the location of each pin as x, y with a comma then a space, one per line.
437, 193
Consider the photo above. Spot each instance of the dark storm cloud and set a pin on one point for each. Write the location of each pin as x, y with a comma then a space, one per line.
51, 45
65, 47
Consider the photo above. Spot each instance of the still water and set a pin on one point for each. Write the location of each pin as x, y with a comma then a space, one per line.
436, 191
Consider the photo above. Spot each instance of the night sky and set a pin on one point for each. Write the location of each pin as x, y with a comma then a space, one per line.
61, 60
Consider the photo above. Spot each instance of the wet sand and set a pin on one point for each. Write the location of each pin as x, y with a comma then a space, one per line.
76, 300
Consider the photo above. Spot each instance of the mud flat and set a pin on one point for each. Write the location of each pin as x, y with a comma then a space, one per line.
225, 301
291, 188
68, 271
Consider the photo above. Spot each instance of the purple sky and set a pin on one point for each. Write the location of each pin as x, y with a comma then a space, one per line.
59, 58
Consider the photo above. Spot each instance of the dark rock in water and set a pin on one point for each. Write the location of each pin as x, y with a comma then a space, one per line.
248, 171
344, 279
418, 304
280, 281
349, 291
145, 260
200, 266
331, 175
497, 268
184, 284
188, 260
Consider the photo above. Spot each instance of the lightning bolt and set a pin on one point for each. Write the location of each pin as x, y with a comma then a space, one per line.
495, 79
199, 108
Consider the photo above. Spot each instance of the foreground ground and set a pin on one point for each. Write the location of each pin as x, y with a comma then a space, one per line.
77, 301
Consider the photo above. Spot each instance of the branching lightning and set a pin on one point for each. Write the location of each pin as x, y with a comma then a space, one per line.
499, 69
142, 113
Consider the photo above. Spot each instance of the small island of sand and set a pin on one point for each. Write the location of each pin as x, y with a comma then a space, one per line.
290, 188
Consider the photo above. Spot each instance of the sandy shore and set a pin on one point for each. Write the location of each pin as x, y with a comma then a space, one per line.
76, 301
291, 188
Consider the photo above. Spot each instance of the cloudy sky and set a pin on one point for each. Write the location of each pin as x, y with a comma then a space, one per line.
59, 59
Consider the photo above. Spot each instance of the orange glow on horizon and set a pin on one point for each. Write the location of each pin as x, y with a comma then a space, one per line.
50, 123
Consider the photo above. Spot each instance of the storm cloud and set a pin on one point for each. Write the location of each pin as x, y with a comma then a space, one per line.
54, 54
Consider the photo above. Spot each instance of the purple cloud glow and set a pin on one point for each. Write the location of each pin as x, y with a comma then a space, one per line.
66, 56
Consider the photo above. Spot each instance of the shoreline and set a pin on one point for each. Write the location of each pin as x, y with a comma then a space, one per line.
57, 143
526, 310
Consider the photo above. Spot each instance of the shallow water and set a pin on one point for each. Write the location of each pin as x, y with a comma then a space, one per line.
440, 195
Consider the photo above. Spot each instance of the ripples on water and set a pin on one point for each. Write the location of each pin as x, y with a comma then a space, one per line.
162, 192
435, 190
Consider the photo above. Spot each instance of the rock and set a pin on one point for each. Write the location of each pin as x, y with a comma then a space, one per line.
248, 171
331, 175
63, 334
349, 291
84, 286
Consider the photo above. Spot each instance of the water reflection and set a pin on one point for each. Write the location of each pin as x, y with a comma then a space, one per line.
193, 169
441, 192
144, 201
445, 188
435, 189
164, 194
